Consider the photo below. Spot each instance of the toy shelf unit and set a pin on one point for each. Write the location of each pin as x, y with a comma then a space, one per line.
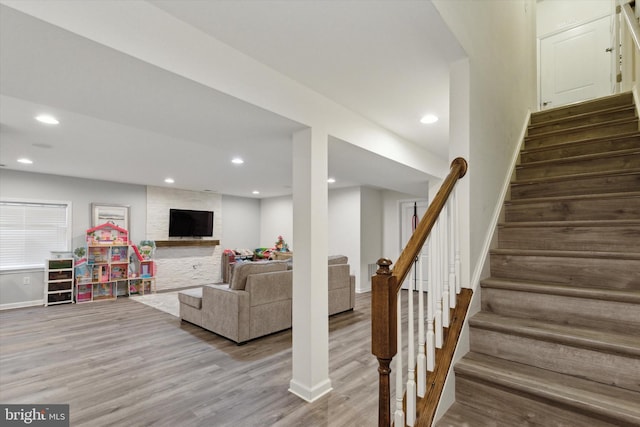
113, 267
104, 273
59, 281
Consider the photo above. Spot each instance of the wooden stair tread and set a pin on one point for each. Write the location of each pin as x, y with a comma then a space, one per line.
603, 111
569, 110
567, 254
627, 296
629, 194
560, 161
609, 342
579, 128
584, 119
576, 176
464, 416
580, 394
578, 304
580, 142
573, 223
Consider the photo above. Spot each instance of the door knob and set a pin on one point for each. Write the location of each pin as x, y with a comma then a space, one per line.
609, 49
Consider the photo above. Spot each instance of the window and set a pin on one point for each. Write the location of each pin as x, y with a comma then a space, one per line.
29, 231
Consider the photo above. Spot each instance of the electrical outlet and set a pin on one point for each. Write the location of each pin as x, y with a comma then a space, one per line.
26, 280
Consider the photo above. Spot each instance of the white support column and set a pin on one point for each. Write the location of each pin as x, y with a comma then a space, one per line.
310, 346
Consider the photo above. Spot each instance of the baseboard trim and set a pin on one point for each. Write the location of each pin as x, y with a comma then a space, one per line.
310, 394
21, 304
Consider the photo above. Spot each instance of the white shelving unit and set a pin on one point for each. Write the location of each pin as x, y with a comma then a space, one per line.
58, 281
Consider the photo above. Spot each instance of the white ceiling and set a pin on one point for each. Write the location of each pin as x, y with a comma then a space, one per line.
125, 120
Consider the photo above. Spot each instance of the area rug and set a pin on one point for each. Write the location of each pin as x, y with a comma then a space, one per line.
165, 301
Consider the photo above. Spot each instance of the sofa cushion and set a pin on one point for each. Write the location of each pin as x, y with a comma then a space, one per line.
241, 271
338, 259
191, 297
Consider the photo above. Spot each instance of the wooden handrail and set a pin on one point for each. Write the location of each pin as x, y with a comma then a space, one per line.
386, 284
416, 242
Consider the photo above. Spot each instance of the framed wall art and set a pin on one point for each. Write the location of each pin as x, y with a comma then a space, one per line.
105, 212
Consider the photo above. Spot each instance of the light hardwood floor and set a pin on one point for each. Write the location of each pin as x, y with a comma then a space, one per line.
123, 363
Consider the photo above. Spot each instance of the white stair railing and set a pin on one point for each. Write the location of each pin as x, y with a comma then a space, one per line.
437, 233
441, 290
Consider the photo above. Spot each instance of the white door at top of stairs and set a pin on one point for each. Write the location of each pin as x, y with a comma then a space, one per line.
577, 64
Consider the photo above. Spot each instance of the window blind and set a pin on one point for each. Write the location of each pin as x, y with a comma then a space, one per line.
30, 231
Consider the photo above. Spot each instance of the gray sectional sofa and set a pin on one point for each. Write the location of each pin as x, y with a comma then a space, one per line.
257, 301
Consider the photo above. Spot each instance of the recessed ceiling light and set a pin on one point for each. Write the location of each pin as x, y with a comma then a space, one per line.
169, 180
25, 161
331, 180
255, 192
237, 161
46, 118
429, 119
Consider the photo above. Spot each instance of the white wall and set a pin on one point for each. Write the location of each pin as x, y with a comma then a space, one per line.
356, 226
241, 225
81, 193
499, 39
344, 227
276, 219
371, 230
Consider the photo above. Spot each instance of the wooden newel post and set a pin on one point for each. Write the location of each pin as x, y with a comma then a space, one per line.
383, 332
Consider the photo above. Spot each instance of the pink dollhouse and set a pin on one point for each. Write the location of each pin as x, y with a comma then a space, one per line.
107, 234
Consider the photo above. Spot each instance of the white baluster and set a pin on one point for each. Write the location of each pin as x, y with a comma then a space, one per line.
457, 237
411, 374
422, 360
437, 286
399, 413
445, 267
451, 257
431, 339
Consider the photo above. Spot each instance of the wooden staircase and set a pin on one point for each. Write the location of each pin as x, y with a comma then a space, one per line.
557, 342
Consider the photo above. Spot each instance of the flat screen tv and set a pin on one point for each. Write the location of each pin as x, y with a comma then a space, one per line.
189, 223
